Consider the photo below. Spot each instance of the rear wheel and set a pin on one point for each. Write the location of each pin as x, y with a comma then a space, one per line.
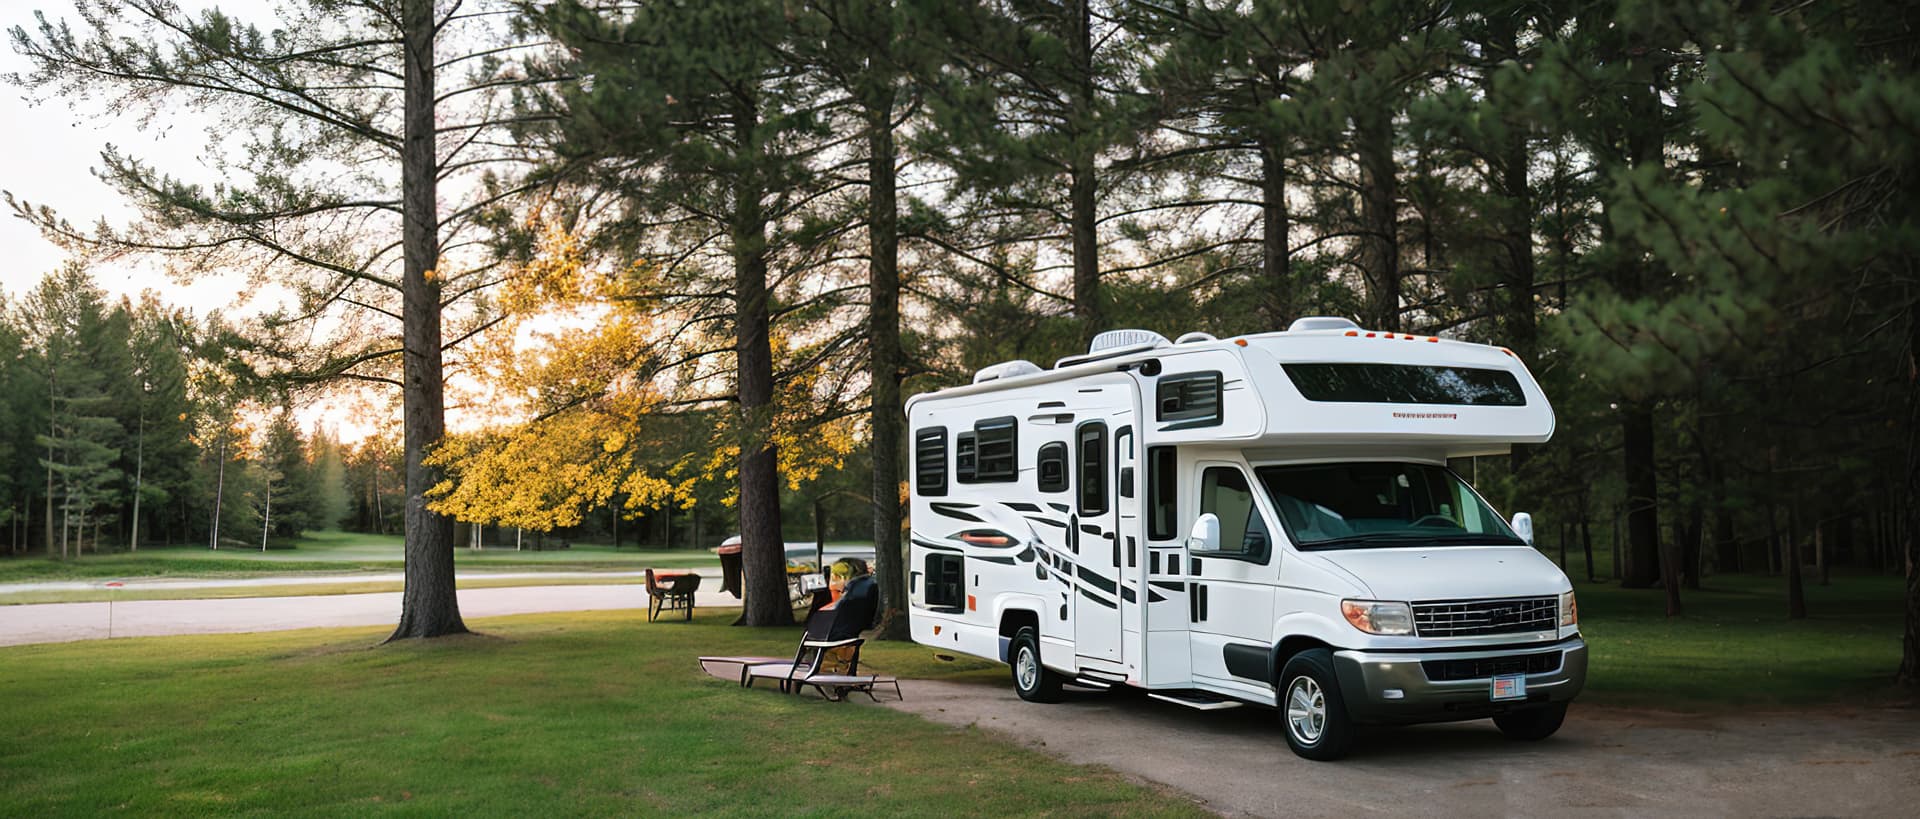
1312, 709
1533, 723
1031, 680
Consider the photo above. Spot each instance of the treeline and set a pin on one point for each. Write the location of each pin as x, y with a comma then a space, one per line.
1693, 220
135, 423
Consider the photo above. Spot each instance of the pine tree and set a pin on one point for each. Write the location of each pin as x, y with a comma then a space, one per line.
697, 118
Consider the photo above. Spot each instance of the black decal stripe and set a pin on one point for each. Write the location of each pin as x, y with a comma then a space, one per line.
1104, 584
1126, 594
1168, 585
1097, 599
952, 511
1060, 524
1059, 507
928, 544
1024, 507
1089, 529
1155, 597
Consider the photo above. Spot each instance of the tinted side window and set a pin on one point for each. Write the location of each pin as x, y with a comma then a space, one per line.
1191, 398
930, 461
1225, 494
1406, 384
946, 582
965, 459
1053, 467
1091, 451
1163, 491
998, 457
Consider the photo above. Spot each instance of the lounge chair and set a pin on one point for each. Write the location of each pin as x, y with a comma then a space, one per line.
670, 592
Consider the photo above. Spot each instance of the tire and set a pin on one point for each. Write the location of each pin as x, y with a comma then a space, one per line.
1532, 724
1312, 712
1031, 679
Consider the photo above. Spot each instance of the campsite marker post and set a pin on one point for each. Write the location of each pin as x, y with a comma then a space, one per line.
115, 586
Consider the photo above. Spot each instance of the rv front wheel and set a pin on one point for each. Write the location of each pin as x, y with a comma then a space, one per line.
1031, 680
1311, 708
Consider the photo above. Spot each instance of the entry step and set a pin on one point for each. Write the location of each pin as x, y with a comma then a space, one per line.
1199, 700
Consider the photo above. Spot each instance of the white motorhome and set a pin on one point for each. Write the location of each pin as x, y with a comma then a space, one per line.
1266, 519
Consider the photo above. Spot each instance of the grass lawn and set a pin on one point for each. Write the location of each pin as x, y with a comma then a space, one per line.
1733, 646
582, 713
332, 552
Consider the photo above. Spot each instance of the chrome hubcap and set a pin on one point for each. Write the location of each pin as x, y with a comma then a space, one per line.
1306, 710
1025, 669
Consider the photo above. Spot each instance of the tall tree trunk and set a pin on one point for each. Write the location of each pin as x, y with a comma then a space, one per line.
1276, 260
1690, 536
266, 520
1586, 544
1643, 518
139, 469
883, 341
1380, 246
1907, 520
219, 492
429, 606
1796, 585
1082, 184
762, 552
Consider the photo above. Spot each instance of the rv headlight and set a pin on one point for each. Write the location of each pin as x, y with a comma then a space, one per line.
1374, 617
1569, 610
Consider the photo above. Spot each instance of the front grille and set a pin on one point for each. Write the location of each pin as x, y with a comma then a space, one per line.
1465, 618
1448, 670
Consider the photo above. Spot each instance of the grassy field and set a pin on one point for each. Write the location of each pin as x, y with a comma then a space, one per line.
586, 713
332, 552
1733, 646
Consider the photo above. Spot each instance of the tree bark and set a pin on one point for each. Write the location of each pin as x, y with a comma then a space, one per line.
1586, 543
1082, 185
883, 341
1380, 246
763, 553
1909, 674
429, 606
1690, 556
1282, 303
1643, 518
219, 490
139, 469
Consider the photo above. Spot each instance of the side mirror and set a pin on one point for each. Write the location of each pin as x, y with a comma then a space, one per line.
1523, 526
1206, 534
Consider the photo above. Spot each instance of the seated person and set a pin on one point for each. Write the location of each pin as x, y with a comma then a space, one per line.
857, 600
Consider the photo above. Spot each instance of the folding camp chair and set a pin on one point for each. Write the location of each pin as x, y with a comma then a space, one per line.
670, 592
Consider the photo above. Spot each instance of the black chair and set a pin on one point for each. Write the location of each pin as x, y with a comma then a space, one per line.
676, 592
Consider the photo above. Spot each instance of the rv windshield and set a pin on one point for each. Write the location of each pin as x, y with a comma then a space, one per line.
1368, 504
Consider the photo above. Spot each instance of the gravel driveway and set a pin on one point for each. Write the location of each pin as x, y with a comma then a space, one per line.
1604, 762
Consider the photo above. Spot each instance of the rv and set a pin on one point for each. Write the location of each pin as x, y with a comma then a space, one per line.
1267, 520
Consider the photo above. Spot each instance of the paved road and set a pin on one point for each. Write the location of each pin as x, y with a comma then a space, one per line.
1604, 762
64, 622
336, 578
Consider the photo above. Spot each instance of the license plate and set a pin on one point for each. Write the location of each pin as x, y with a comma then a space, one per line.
1509, 687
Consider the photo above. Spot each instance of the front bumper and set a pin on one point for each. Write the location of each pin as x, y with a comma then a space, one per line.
1368, 678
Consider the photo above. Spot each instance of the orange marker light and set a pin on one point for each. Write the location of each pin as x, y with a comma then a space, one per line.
1369, 335
1351, 333
1433, 339
972, 605
1240, 341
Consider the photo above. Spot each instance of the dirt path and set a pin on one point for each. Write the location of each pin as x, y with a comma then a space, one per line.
1604, 762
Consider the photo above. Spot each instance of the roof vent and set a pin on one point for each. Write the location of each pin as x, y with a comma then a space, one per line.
1321, 323
1006, 369
1189, 338
1115, 343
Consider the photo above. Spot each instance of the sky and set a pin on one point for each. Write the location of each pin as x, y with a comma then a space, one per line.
48, 148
